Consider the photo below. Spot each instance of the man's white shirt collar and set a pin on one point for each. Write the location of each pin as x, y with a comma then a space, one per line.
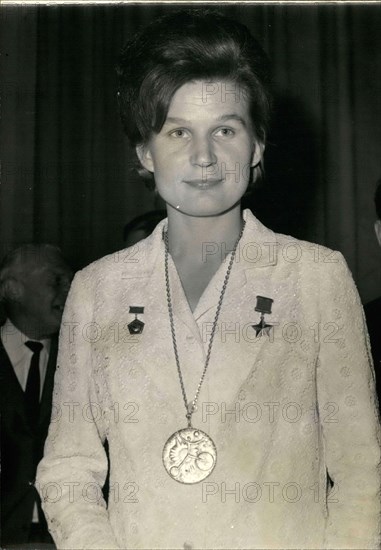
20, 355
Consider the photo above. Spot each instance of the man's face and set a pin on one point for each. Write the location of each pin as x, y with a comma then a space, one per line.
45, 289
202, 156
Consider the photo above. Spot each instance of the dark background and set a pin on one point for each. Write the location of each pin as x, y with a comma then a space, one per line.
68, 174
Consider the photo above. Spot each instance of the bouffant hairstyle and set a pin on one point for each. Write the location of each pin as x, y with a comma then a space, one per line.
182, 47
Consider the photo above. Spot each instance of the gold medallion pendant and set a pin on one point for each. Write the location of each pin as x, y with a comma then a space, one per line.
189, 456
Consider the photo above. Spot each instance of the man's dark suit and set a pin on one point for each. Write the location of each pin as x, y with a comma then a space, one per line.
373, 319
21, 449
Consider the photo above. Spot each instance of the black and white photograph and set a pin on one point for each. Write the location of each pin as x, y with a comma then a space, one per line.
190, 275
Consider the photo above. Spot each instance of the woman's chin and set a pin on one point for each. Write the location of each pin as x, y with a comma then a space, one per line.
202, 211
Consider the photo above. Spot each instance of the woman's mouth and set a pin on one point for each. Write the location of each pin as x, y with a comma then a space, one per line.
203, 183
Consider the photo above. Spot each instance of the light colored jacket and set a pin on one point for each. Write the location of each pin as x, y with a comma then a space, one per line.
289, 412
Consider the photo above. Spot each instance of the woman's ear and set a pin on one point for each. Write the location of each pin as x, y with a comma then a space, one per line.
145, 157
258, 150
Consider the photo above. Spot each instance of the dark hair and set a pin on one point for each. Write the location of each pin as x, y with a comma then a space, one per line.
183, 47
377, 199
145, 222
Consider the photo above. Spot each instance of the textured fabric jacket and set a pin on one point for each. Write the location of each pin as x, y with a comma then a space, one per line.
293, 413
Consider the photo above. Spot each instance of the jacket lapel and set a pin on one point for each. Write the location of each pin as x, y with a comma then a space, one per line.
47, 391
155, 284
257, 251
11, 386
12, 397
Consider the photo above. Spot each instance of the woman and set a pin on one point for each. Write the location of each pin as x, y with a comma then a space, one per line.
227, 366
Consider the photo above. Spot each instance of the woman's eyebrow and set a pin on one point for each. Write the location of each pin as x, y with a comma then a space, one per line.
222, 118
232, 116
175, 120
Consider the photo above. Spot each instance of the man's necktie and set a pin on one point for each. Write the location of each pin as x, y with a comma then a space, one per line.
32, 390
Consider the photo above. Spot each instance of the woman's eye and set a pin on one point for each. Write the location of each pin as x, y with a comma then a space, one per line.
225, 132
179, 133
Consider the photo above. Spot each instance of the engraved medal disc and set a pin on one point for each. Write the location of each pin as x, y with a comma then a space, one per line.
189, 455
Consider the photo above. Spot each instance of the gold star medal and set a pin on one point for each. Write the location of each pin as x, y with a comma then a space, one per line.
263, 306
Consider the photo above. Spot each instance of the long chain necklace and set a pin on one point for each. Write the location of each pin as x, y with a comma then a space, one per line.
190, 455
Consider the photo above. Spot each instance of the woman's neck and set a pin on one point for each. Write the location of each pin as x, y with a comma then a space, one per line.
203, 239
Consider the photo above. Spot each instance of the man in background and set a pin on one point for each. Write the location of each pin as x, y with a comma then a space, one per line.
142, 226
34, 282
373, 309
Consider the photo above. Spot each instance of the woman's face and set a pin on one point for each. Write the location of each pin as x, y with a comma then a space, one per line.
202, 156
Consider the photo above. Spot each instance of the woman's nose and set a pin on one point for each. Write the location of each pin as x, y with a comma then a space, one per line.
203, 153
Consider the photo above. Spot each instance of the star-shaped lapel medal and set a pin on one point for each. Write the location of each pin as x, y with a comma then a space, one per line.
136, 326
263, 306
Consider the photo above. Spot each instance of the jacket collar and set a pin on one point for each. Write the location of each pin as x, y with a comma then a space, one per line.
257, 250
